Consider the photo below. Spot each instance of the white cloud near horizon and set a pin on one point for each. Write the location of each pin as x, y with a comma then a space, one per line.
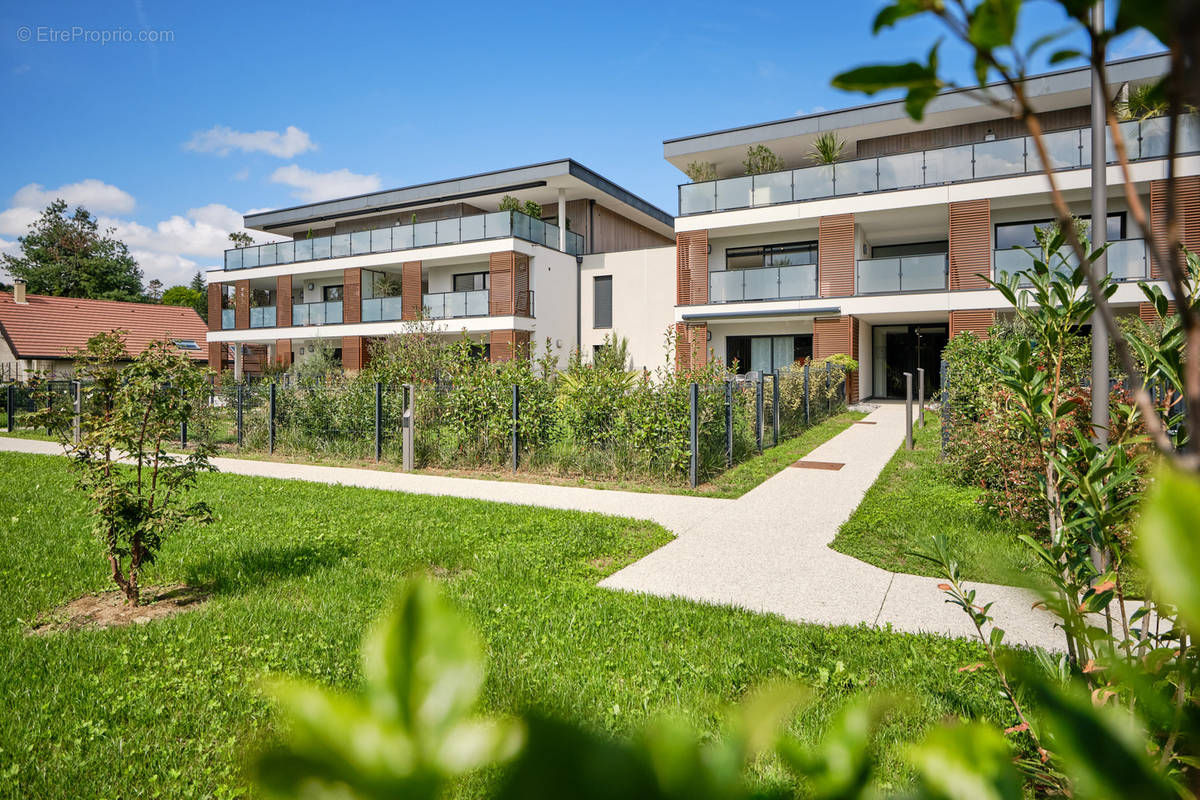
223, 140
94, 195
311, 187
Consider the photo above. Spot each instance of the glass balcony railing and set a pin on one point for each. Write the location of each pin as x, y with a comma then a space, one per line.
228, 319
262, 317
379, 309
923, 273
1126, 261
498, 225
328, 313
1070, 149
763, 283
451, 305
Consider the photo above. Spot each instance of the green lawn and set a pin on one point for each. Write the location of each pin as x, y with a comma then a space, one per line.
298, 570
914, 498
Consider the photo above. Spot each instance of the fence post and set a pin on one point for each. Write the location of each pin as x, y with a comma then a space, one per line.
758, 413
945, 409
908, 443
693, 434
728, 423
775, 408
807, 409
828, 391
378, 420
407, 421
77, 411
516, 418
183, 424
271, 416
920, 397
10, 403
239, 414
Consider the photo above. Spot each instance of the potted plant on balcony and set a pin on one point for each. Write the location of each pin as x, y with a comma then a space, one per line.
827, 148
701, 171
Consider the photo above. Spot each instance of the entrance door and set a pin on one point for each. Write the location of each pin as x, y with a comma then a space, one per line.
903, 348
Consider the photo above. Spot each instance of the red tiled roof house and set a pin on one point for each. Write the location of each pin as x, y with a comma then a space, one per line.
39, 334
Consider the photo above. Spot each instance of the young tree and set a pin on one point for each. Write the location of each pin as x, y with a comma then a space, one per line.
130, 413
183, 296
69, 256
240, 239
197, 284
154, 290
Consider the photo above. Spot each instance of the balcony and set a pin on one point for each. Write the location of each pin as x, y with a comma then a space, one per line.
1070, 149
1127, 261
498, 225
379, 309
763, 283
262, 317
328, 313
921, 273
454, 305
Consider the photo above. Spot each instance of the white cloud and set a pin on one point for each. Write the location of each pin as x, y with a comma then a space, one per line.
1138, 43
312, 186
223, 140
96, 196
16, 221
242, 174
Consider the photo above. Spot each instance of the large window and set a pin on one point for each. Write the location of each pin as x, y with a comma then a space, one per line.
766, 353
771, 255
331, 294
910, 249
1024, 234
602, 301
470, 281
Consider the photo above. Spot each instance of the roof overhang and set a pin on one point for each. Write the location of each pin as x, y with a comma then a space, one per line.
753, 315
537, 182
792, 138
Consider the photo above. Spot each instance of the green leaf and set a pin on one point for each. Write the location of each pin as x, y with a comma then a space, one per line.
901, 9
994, 23
1059, 56
878, 77
1169, 541
970, 760
423, 662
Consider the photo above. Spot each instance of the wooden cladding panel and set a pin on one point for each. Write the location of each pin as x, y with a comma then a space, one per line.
352, 296
835, 256
691, 268
521, 305
283, 352
1149, 315
241, 304
612, 232
971, 132
832, 335
214, 306
501, 292
977, 321
283, 303
352, 352
970, 244
852, 376
410, 290
691, 346
508, 344
1187, 207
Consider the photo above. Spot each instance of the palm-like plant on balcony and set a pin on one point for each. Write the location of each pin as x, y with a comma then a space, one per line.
827, 148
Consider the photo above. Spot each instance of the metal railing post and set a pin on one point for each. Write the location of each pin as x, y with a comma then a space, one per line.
807, 409
908, 418
239, 414
516, 435
758, 413
728, 423
378, 421
693, 434
775, 408
920, 397
10, 406
828, 390
945, 409
77, 411
271, 415
183, 423
407, 423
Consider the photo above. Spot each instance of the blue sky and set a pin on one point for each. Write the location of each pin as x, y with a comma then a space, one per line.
257, 105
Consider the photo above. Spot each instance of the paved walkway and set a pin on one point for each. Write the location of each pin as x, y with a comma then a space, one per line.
767, 551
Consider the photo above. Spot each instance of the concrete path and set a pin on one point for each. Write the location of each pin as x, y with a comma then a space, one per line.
767, 551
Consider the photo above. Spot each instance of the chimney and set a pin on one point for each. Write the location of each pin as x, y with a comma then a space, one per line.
19, 291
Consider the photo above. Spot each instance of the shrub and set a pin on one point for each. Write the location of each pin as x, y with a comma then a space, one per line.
760, 159
700, 171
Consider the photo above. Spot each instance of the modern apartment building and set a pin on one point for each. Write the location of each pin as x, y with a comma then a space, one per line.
880, 254
358, 268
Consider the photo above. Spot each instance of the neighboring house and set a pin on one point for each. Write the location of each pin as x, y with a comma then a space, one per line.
39, 335
879, 255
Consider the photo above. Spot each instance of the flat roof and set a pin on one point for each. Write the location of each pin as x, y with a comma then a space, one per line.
1043, 85
564, 173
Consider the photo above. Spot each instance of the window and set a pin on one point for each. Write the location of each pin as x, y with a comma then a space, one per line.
379, 284
331, 294
262, 297
771, 255
602, 301
766, 353
470, 281
186, 344
1023, 234
911, 249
